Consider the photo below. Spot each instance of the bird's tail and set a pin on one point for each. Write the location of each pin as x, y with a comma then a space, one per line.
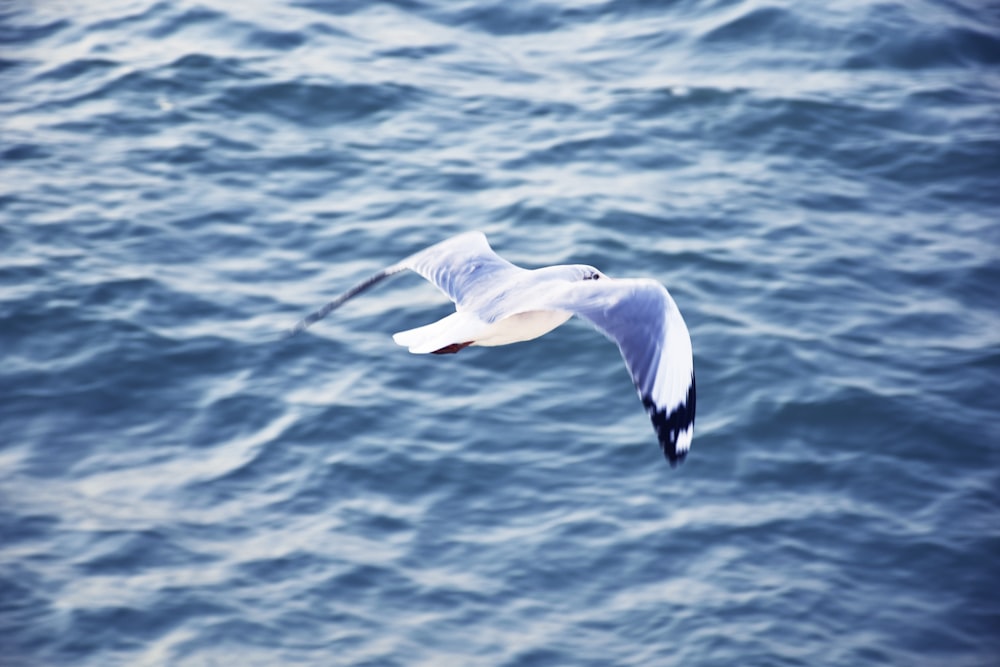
455, 329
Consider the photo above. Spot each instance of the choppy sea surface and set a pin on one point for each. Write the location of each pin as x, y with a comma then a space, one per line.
818, 187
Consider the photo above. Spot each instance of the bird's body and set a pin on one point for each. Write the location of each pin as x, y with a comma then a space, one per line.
498, 303
511, 329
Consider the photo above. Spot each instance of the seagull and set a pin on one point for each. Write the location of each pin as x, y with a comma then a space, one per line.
498, 303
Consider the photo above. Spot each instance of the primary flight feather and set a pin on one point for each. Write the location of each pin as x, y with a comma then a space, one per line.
498, 303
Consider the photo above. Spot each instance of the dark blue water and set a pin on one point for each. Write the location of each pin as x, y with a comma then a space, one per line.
819, 188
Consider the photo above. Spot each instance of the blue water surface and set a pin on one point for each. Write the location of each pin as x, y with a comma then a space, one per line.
818, 187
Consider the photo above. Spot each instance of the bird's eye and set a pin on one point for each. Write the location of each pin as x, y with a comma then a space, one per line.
595, 276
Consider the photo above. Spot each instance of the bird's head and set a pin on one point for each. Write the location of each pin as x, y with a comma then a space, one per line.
569, 273
585, 272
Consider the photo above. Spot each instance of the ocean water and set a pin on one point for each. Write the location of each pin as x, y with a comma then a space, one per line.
818, 187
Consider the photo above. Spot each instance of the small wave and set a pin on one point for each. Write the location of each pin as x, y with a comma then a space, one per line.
317, 105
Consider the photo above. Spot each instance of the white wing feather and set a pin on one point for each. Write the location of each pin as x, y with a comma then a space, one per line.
642, 318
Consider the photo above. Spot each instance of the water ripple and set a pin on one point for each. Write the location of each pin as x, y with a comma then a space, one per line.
815, 185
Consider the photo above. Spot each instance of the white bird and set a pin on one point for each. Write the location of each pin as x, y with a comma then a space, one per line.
498, 303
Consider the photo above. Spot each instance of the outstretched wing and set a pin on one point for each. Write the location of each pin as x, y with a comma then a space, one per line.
464, 267
340, 300
642, 318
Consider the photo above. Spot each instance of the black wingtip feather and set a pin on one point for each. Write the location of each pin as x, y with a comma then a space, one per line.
669, 426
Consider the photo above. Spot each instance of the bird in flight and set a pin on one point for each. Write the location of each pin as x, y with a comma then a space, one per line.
498, 303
